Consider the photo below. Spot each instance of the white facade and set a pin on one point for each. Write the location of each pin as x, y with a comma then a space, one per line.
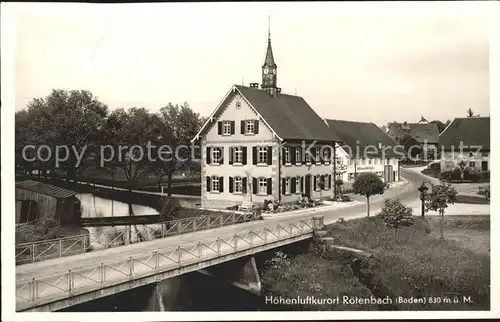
386, 168
236, 178
473, 159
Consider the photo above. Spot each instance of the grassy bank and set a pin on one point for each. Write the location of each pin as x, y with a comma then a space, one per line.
410, 262
314, 276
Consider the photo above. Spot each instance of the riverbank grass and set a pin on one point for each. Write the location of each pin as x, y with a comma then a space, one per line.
411, 262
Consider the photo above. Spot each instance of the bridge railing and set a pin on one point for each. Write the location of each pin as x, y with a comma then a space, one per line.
123, 235
78, 280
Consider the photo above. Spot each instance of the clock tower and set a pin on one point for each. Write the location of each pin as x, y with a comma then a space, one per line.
269, 76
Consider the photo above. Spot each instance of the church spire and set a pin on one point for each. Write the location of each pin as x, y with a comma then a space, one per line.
269, 77
269, 60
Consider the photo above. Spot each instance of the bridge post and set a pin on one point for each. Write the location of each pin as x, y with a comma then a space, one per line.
318, 227
318, 222
159, 294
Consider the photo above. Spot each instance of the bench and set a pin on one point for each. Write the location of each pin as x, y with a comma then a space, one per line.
246, 206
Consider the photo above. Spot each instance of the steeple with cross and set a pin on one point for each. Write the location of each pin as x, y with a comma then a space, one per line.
269, 69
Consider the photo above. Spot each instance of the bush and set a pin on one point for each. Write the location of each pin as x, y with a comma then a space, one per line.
302, 201
279, 261
346, 198
395, 214
170, 208
339, 182
436, 166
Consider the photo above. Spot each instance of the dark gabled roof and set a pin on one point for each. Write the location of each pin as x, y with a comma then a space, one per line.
288, 115
419, 131
45, 189
362, 135
471, 131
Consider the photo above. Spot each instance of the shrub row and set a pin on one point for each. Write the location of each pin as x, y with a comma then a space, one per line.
469, 175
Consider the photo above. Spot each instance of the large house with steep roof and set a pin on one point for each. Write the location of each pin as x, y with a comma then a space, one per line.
260, 143
424, 133
365, 148
466, 139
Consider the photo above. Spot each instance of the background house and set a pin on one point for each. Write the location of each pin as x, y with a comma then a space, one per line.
473, 135
424, 133
37, 200
365, 148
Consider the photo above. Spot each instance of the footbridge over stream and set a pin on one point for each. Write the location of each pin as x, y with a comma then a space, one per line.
66, 281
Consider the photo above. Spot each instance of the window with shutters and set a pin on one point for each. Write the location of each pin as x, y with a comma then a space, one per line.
238, 184
215, 184
297, 156
250, 127
317, 182
238, 154
262, 186
297, 184
288, 186
288, 157
216, 155
226, 128
262, 155
326, 155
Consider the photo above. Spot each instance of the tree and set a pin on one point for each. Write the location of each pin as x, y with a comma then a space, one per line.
63, 118
470, 113
462, 167
125, 129
412, 147
339, 183
440, 125
396, 215
176, 126
438, 198
368, 184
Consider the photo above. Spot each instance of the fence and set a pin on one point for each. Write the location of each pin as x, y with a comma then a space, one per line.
78, 280
43, 250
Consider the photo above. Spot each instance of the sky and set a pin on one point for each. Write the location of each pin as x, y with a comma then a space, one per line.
371, 62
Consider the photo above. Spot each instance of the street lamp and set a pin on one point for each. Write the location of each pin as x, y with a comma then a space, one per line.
422, 189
